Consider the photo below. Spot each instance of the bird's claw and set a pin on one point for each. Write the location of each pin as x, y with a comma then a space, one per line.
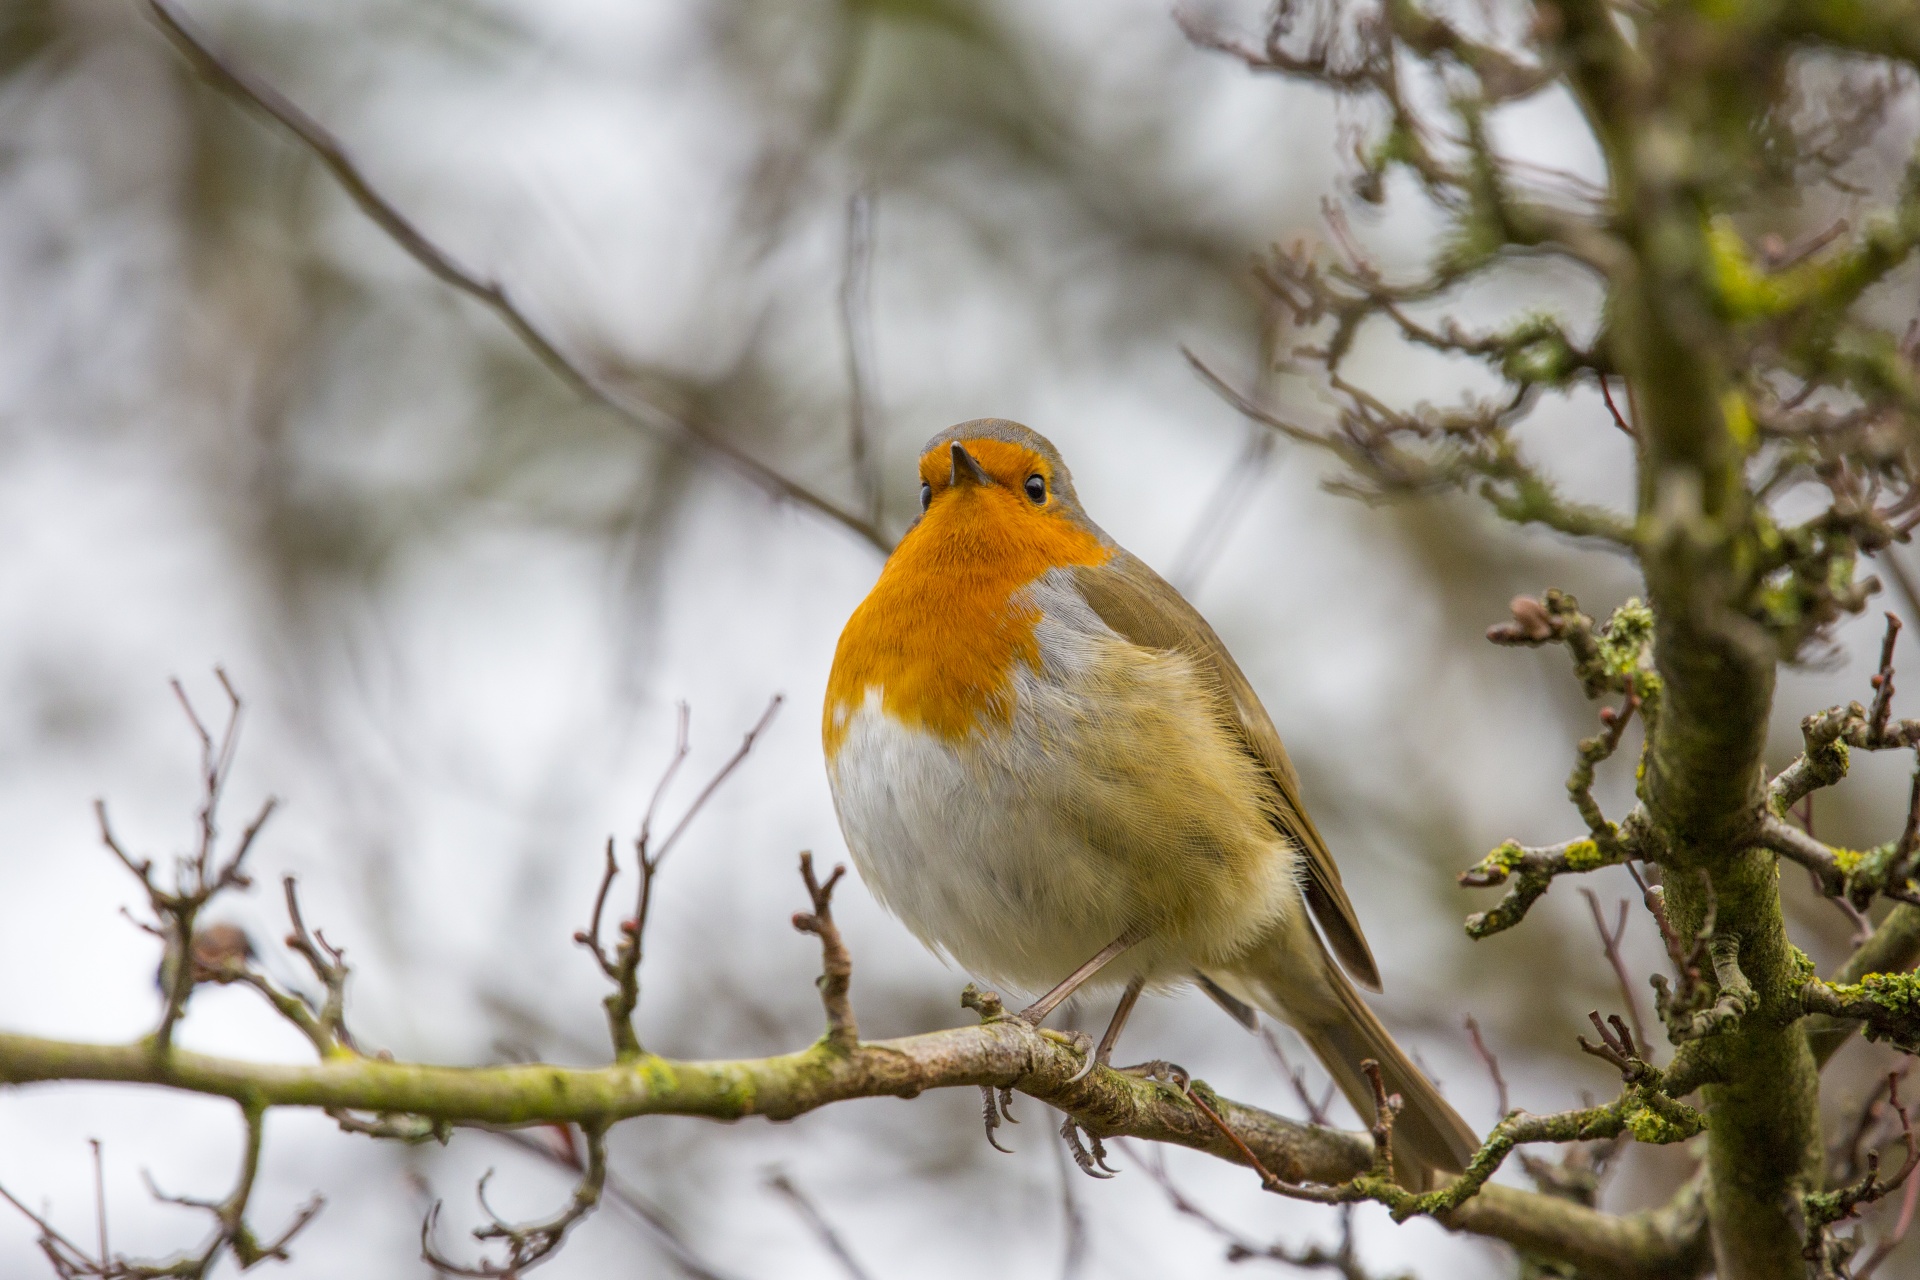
1081, 1042
1171, 1074
996, 1108
1093, 1164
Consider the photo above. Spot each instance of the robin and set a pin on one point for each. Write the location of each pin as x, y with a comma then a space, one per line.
1049, 767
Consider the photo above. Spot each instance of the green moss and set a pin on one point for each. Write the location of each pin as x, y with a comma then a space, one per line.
1505, 860
1804, 970
1649, 1126
1897, 993
1623, 645
1535, 350
1733, 411
1585, 855
1849, 859
1744, 291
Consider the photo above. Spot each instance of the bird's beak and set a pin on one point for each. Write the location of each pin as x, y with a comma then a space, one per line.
966, 470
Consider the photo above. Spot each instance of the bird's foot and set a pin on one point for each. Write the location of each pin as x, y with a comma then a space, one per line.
1081, 1043
995, 1108
1092, 1163
1167, 1073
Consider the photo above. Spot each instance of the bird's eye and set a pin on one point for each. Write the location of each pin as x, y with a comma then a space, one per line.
926, 494
1037, 488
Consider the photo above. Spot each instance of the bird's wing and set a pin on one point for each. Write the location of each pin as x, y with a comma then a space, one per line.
1145, 609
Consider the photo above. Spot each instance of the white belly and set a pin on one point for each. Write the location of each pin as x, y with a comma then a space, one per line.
1024, 849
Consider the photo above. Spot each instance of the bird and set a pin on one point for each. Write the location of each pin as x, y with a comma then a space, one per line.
1048, 766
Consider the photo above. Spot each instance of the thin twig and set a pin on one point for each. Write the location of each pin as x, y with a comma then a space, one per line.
1342, 1258
566, 1154
1230, 497
836, 964
527, 1244
1316, 1108
1493, 1066
241, 84
622, 966
1610, 943
722, 774
817, 1223
856, 334
1606, 394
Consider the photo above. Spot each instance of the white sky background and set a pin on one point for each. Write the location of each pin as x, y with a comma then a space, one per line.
238, 427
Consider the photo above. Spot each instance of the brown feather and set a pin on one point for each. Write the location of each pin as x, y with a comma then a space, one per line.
1144, 608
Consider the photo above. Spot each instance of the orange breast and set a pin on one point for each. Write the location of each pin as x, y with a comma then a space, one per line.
939, 634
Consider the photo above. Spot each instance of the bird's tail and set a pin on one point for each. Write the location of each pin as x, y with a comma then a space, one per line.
1430, 1140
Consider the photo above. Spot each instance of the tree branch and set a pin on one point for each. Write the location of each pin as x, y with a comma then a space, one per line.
1004, 1053
245, 87
1532, 871
1892, 948
1887, 1005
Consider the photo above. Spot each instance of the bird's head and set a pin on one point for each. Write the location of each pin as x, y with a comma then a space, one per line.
998, 479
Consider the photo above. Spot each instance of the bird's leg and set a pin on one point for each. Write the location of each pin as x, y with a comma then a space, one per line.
1100, 1056
1121, 1013
1036, 1013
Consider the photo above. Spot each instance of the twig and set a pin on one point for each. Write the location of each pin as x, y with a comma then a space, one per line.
1888, 558
1595, 751
1827, 1207
1493, 1067
1225, 505
231, 1234
621, 964
1884, 1248
198, 877
1386, 1107
1888, 1004
1610, 943
836, 964
1863, 1135
527, 1244
1532, 872
1341, 1259
1368, 441
720, 776
1316, 1108
1686, 1010
817, 1223
856, 333
1617, 1046
1606, 394
566, 1154
1882, 681
242, 85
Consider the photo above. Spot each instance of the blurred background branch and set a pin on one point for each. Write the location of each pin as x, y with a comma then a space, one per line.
234, 424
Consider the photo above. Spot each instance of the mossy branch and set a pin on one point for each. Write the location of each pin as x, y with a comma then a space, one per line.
1886, 1004
1648, 1108
1532, 872
1003, 1053
1608, 658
